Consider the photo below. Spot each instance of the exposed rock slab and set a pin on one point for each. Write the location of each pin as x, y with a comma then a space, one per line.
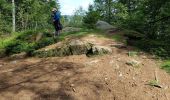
72, 47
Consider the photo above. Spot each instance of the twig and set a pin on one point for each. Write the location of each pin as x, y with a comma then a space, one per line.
157, 80
156, 77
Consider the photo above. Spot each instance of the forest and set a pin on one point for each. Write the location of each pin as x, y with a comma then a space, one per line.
26, 27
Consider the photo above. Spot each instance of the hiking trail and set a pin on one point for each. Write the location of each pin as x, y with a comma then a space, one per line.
116, 76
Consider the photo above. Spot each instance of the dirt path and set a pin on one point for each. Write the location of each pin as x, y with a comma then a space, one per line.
81, 78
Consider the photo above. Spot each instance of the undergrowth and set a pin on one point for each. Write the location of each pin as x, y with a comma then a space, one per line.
166, 66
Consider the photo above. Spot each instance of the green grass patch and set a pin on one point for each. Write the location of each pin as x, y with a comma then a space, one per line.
166, 66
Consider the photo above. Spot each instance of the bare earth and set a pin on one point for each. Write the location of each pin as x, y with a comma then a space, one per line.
78, 77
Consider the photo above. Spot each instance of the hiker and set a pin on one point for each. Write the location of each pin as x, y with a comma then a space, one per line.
56, 20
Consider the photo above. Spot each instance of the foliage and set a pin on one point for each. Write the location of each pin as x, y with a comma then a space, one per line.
30, 14
25, 42
91, 17
149, 19
75, 20
166, 66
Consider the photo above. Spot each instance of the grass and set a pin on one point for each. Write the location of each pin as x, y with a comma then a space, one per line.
154, 83
24, 42
5, 41
166, 66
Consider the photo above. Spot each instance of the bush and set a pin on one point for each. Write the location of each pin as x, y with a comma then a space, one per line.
166, 66
15, 46
159, 48
25, 42
44, 42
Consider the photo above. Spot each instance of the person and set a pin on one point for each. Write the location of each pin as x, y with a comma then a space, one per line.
56, 21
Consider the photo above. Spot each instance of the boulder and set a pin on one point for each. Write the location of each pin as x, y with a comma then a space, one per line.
133, 63
78, 47
19, 56
55, 52
102, 25
100, 50
72, 47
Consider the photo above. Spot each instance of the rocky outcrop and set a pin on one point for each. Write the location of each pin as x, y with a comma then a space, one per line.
19, 56
100, 50
102, 25
72, 47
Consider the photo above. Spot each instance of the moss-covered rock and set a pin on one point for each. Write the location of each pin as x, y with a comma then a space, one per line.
78, 47
72, 47
19, 55
100, 50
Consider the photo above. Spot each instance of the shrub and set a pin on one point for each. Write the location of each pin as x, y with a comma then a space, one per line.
166, 66
44, 42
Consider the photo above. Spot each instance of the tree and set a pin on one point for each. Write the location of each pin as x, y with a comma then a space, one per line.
91, 17
105, 8
26, 14
77, 19
13, 16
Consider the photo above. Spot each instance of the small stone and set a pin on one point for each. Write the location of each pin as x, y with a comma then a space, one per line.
106, 79
117, 66
99, 50
144, 57
111, 62
95, 61
120, 75
72, 85
133, 63
0, 65
134, 85
14, 62
118, 59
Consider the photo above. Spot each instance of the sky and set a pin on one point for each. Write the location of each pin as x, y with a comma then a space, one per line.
67, 7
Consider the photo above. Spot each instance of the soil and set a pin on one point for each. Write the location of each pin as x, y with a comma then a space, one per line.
78, 77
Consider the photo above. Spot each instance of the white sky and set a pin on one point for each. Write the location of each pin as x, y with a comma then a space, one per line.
68, 6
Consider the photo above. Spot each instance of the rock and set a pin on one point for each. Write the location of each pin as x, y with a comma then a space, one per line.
120, 74
72, 85
132, 54
133, 63
72, 47
102, 25
100, 50
13, 62
78, 47
19, 56
57, 52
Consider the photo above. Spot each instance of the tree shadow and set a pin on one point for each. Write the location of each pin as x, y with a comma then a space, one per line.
38, 77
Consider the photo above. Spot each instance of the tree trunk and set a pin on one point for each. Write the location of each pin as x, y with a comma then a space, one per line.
13, 16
